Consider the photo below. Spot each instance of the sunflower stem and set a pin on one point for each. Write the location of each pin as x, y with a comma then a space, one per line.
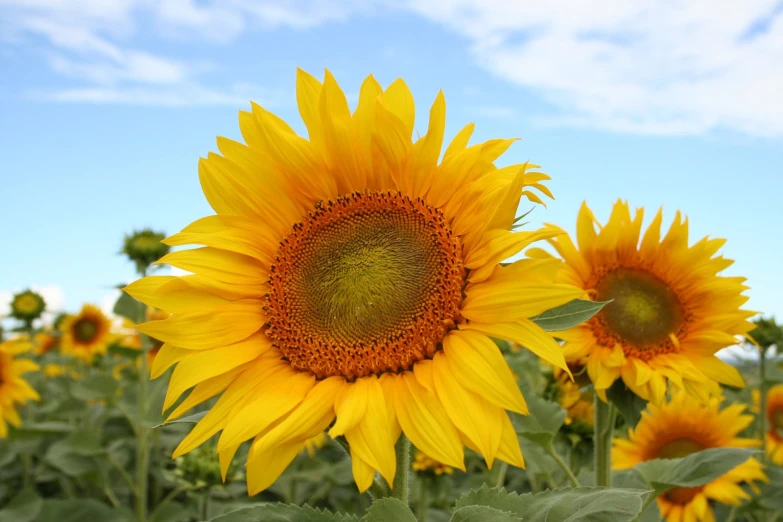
502, 470
402, 477
142, 430
562, 465
424, 500
763, 403
602, 436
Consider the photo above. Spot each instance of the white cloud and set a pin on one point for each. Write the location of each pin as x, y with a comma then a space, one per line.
645, 67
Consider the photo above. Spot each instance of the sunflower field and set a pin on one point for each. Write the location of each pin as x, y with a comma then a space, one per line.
366, 329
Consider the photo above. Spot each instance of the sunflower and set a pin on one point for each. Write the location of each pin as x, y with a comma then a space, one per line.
573, 397
313, 444
774, 435
14, 389
85, 334
27, 306
352, 276
683, 426
670, 310
427, 465
45, 342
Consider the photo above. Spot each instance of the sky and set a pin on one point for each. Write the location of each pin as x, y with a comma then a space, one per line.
105, 108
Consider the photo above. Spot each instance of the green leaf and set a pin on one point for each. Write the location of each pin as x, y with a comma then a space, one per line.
773, 374
22, 508
95, 387
76, 510
568, 315
545, 419
561, 505
694, 470
75, 455
389, 510
36, 429
283, 513
128, 307
190, 419
770, 497
627, 402
482, 514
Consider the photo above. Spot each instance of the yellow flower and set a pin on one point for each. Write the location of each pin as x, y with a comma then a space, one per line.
670, 311
683, 426
571, 395
774, 435
426, 464
45, 342
27, 306
352, 276
130, 338
85, 334
14, 389
54, 370
315, 443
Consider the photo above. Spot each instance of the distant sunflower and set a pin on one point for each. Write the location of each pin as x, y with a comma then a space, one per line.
670, 311
27, 306
573, 395
679, 428
362, 277
313, 444
774, 435
426, 465
46, 342
14, 389
85, 334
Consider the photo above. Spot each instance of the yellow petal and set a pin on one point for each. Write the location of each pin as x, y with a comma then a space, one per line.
307, 420
425, 422
489, 302
308, 91
460, 141
477, 363
528, 334
336, 119
473, 415
350, 405
509, 450
399, 101
363, 473
222, 265
720, 371
206, 390
270, 464
205, 364
374, 436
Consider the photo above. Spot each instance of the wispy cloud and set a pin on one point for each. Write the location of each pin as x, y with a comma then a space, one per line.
644, 67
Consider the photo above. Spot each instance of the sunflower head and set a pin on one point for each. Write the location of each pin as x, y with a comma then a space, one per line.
27, 306
767, 332
46, 342
427, 466
360, 273
774, 435
54, 370
669, 309
199, 467
679, 428
85, 334
14, 389
144, 247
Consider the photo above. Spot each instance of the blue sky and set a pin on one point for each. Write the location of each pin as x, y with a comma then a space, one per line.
107, 106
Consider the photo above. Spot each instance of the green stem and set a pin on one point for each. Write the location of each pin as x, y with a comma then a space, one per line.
142, 431
207, 496
763, 403
550, 449
732, 515
402, 477
603, 430
502, 470
424, 500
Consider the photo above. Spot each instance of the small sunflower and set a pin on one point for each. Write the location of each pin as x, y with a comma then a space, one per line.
427, 465
144, 247
85, 334
14, 389
573, 397
46, 342
670, 310
774, 435
315, 443
683, 426
54, 370
27, 306
361, 276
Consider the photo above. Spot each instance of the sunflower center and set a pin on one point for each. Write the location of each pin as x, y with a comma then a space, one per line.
366, 283
776, 421
644, 311
682, 496
678, 448
84, 330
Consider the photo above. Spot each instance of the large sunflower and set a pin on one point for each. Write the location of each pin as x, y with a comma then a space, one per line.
670, 310
683, 426
353, 276
14, 389
85, 334
774, 435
